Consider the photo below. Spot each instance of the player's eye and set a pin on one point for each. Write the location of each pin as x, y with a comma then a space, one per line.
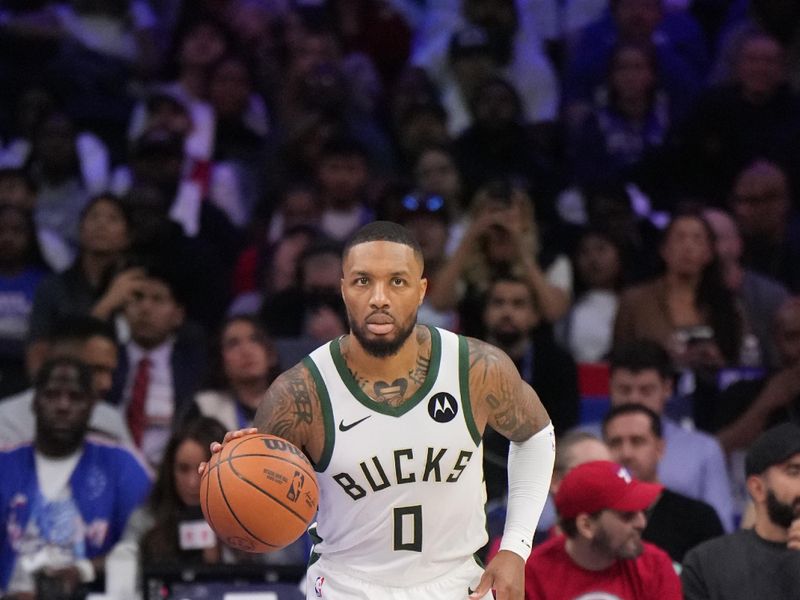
362, 281
398, 281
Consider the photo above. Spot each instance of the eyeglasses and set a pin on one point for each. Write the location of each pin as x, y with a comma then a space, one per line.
429, 204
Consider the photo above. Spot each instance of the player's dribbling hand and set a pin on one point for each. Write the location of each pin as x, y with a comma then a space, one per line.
217, 446
505, 574
794, 535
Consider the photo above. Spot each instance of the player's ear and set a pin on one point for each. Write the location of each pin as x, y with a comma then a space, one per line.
423, 287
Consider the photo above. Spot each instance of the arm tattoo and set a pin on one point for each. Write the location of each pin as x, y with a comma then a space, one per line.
288, 405
494, 381
302, 399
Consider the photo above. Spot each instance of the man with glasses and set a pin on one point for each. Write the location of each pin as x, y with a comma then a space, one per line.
601, 554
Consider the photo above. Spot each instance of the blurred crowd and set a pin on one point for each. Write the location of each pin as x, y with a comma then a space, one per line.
605, 189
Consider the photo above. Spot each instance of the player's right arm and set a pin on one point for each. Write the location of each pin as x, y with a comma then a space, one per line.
290, 410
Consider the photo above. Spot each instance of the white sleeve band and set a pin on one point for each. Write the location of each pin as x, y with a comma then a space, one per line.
530, 467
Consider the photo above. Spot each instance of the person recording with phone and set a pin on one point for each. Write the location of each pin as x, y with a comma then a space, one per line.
502, 237
688, 309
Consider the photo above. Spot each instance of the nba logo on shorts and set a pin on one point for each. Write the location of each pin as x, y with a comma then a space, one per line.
318, 586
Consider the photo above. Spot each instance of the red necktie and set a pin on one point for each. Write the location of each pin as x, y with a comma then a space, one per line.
136, 414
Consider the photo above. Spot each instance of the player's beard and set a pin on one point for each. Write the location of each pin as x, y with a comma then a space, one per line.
780, 513
380, 347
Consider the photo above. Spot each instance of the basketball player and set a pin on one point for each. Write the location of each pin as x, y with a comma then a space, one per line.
392, 417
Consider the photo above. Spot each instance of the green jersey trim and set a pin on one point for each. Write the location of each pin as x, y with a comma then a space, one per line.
463, 383
315, 539
327, 415
392, 411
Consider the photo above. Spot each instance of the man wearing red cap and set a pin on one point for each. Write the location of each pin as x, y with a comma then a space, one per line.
601, 554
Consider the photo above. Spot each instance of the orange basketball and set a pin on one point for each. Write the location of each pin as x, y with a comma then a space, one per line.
259, 493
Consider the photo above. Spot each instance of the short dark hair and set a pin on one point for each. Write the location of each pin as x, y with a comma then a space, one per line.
80, 328
345, 147
20, 175
633, 409
383, 231
44, 373
642, 355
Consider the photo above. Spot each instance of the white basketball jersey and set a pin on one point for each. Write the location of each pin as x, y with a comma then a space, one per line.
401, 488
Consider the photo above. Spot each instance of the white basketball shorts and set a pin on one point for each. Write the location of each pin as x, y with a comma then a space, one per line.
326, 581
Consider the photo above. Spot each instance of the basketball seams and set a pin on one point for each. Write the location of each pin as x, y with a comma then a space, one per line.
306, 471
225, 497
255, 486
236, 517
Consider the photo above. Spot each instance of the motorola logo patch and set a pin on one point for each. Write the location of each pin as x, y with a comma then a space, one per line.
442, 407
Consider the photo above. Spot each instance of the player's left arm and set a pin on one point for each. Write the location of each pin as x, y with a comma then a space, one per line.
507, 404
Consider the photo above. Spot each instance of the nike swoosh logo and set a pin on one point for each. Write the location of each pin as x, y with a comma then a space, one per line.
343, 427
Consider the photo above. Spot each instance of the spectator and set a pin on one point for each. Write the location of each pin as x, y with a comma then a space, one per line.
760, 296
762, 562
502, 236
98, 47
572, 449
675, 523
762, 205
240, 142
272, 269
311, 311
21, 270
421, 126
92, 342
688, 309
246, 364
166, 115
98, 283
298, 204
586, 330
436, 174
748, 407
176, 497
514, 44
602, 513
756, 115
342, 176
67, 168
17, 189
500, 144
65, 499
513, 324
693, 463
426, 216
628, 122
162, 364
681, 52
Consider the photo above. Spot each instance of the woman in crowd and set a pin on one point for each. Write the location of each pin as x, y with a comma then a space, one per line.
246, 364
688, 309
628, 123
587, 330
98, 283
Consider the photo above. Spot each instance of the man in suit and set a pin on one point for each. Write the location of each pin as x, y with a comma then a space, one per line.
161, 365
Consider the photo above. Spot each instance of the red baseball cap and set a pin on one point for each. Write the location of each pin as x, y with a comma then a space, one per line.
600, 485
